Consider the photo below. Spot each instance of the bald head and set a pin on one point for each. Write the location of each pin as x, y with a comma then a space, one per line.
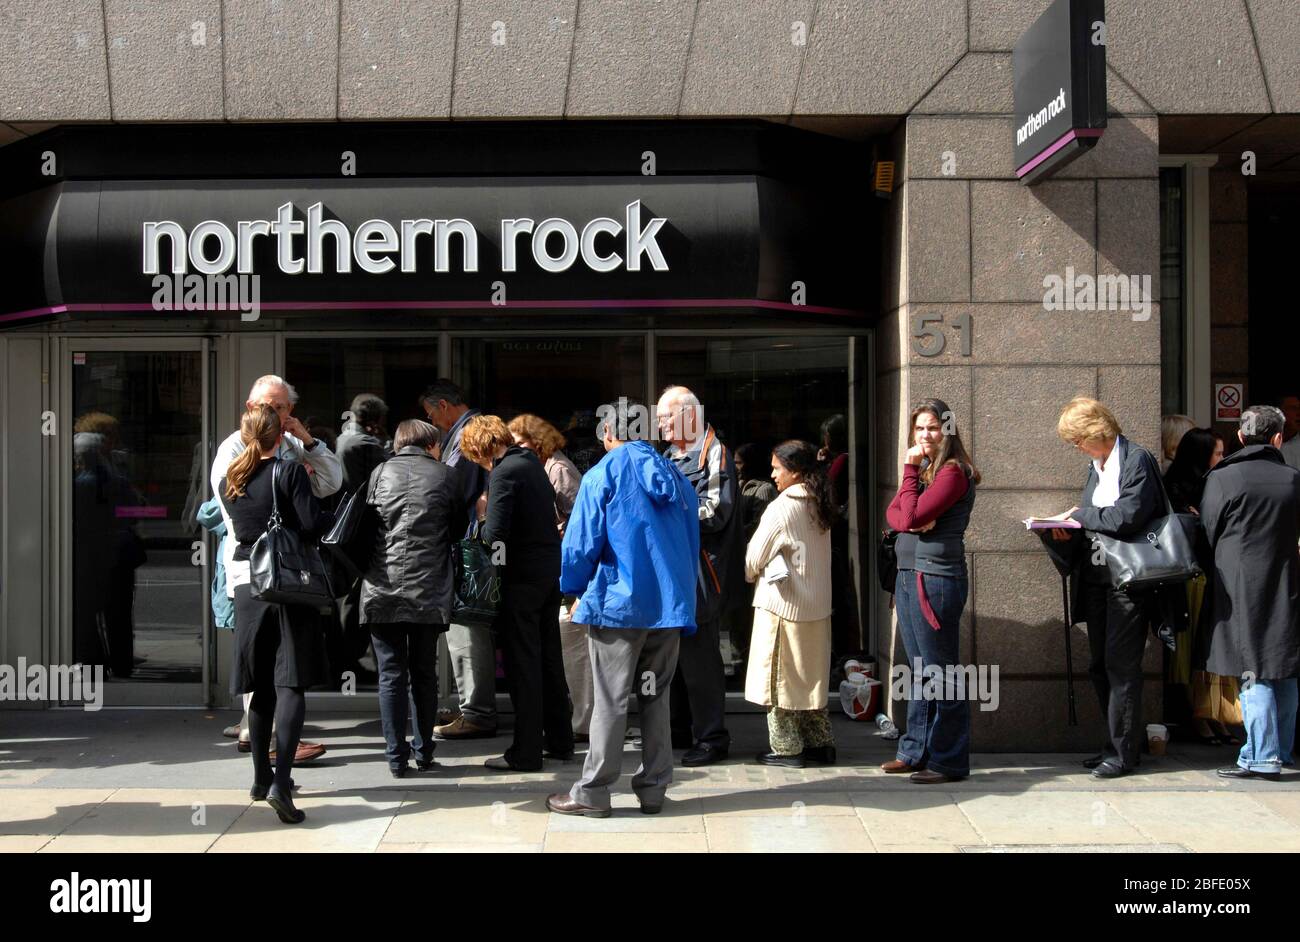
680, 416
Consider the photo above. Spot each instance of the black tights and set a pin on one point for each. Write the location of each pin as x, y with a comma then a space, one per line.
286, 707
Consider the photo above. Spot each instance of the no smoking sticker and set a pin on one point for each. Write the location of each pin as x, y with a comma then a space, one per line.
1227, 401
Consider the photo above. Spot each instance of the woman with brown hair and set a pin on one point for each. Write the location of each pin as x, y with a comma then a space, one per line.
279, 649
931, 512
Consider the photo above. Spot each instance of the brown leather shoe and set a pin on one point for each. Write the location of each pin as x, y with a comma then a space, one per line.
446, 716
931, 777
462, 727
307, 751
564, 804
898, 766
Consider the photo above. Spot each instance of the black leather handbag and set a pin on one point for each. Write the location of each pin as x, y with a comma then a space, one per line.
887, 560
1161, 553
284, 567
478, 583
351, 540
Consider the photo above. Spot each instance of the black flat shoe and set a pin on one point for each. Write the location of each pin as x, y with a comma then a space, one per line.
703, 754
822, 755
258, 792
425, 765
772, 758
1109, 769
284, 807
399, 771
1236, 771
1093, 762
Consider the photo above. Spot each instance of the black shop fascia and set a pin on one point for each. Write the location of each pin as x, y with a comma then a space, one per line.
436, 226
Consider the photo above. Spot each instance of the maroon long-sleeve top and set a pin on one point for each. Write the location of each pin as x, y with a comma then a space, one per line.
913, 508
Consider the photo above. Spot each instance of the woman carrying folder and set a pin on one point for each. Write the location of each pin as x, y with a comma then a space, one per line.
931, 512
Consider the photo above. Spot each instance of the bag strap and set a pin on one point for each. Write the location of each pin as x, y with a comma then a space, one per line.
275, 521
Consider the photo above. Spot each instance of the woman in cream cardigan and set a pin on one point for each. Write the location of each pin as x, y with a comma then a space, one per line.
789, 559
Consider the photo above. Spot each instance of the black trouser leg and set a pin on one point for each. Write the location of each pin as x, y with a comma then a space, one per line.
699, 663
1126, 638
557, 711
521, 647
261, 710
1094, 597
390, 643
290, 711
422, 642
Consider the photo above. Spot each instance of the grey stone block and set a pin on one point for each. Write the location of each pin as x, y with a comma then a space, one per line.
890, 418
744, 59
1228, 195
1033, 716
1022, 234
981, 83
972, 147
165, 60
1128, 232
629, 58
52, 62
995, 25
1026, 333
952, 385
1277, 32
879, 57
1121, 98
1187, 58
1133, 394
512, 58
938, 241
996, 525
891, 349
1019, 618
281, 60
1128, 148
1229, 271
396, 58
1016, 409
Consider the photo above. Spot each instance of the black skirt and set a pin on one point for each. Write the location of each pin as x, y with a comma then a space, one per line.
300, 660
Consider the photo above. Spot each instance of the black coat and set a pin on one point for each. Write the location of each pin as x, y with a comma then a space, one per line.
360, 453
1140, 500
1251, 514
521, 518
416, 499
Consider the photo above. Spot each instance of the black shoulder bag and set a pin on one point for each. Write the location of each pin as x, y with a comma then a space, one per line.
478, 583
284, 567
1161, 553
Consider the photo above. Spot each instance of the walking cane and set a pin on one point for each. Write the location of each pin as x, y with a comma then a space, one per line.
1069, 654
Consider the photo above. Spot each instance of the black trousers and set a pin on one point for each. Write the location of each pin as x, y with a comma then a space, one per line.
1117, 635
529, 633
698, 698
407, 657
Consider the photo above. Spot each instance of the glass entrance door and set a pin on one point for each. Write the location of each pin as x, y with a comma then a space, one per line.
138, 556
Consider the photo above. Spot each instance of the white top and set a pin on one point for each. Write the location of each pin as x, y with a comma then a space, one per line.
789, 528
326, 479
1291, 451
1107, 491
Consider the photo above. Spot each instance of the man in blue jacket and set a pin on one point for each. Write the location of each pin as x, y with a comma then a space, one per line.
630, 553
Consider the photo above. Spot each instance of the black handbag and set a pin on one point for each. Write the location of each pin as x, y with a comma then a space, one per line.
887, 560
350, 542
285, 568
1161, 553
478, 583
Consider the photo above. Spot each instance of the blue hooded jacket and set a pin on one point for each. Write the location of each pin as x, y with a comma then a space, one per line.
632, 543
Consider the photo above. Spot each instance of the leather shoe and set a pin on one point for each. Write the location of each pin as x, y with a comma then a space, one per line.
565, 804
502, 764
232, 732
426, 765
307, 751
822, 755
1110, 769
898, 766
400, 771
1236, 771
464, 728
703, 754
284, 807
931, 777
774, 758
1094, 761
651, 809
258, 792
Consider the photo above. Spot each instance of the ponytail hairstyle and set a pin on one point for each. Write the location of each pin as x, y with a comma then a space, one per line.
800, 457
259, 430
951, 448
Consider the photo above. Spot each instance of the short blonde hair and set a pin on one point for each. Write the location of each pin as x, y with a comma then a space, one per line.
1087, 420
482, 436
1172, 430
543, 436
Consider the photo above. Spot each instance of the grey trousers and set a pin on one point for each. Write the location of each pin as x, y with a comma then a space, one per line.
624, 661
474, 663
577, 667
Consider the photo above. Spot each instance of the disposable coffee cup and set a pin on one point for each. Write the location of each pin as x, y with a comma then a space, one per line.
1157, 738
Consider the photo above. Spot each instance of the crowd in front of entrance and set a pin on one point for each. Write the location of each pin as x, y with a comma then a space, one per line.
613, 583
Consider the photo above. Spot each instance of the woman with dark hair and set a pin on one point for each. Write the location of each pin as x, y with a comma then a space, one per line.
931, 512
279, 649
789, 559
1199, 450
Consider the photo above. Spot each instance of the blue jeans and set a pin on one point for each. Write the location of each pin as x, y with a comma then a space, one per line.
403, 649
1268, 709
938, 730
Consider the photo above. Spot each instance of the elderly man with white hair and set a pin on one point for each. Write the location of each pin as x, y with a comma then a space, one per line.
326, 474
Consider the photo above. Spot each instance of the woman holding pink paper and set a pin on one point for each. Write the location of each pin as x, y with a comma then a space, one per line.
931, 512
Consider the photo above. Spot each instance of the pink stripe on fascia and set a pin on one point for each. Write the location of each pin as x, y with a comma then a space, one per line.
126, 308
1061, 142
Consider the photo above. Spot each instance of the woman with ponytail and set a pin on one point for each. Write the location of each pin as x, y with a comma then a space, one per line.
931, 512
789, 559
279, 649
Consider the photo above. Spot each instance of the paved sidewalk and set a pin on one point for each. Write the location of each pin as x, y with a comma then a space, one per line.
165, 780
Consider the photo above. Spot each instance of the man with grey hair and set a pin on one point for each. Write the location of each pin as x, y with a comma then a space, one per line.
325, 472
1251, 514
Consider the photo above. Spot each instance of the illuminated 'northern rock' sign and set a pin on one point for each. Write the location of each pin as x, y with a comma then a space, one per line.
211, 247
